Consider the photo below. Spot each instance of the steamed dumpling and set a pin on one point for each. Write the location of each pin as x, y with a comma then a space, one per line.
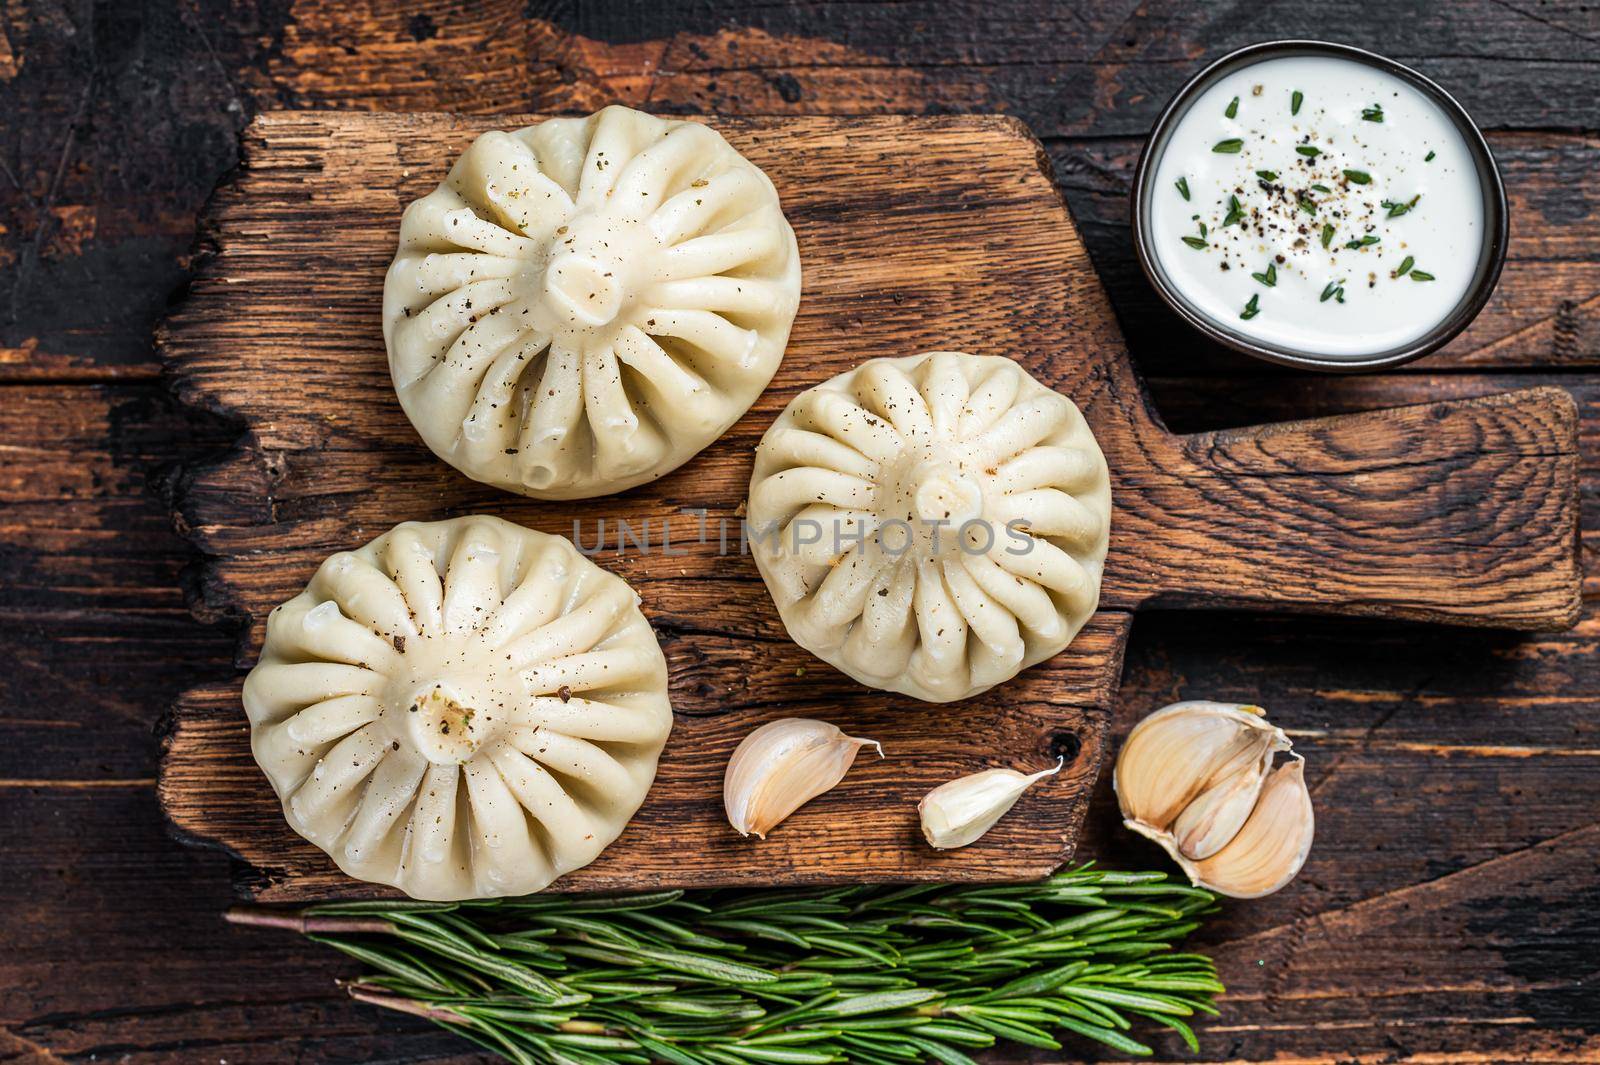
460, 709
585, 304
933, 524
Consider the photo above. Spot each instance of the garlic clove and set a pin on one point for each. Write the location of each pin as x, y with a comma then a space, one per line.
957, 813
1174, 755
780, 767
1197, 778
1271, 846
1214, 816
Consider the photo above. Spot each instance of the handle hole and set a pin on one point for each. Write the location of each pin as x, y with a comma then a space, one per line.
1066, 745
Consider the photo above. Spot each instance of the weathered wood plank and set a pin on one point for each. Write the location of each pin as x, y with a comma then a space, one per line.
98, 228
865, 829
95, 891
314, 475
1425, 512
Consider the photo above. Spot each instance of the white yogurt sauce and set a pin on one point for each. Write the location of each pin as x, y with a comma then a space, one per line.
1281, 240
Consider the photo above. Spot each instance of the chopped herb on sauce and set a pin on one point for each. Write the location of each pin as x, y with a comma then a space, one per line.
1396, 208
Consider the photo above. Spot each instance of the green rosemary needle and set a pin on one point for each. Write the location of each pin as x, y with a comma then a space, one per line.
875, 974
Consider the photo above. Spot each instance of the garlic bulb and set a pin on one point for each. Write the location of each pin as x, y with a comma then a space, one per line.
780, 767
957, 813
1197, 778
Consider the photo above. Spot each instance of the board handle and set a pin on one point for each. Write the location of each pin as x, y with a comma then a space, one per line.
1462, 511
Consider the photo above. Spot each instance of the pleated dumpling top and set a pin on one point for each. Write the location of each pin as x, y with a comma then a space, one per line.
931, 525
584, 304
460, 709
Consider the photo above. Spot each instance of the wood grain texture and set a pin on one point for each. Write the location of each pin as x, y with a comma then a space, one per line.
332, 461
916, 234
1448, 909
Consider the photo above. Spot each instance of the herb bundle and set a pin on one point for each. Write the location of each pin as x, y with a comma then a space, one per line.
876, 974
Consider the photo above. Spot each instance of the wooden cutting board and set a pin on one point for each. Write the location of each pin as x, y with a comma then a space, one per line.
915, 234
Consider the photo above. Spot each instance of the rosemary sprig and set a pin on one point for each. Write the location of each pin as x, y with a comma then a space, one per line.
877, 974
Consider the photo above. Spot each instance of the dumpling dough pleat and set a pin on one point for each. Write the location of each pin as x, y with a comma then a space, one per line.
461, 708
986, 505
584, 304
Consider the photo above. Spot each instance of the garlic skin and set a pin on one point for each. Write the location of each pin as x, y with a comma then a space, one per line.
959, 812
780, 767
1273, 844
1197, 777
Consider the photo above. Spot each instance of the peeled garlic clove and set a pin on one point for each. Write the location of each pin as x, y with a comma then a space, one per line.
1177, 753
957, 813
780, 767
1271, 847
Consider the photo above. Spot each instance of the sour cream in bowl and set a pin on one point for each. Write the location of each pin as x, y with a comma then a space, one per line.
1318, 205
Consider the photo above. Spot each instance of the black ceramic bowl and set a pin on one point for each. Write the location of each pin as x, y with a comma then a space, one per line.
1490, 259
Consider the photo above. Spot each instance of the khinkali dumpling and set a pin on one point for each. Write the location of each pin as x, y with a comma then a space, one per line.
460, 708
586, 303
931, 525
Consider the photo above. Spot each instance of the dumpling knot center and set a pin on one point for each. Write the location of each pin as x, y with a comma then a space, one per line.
443, 724
941, 493
583, 290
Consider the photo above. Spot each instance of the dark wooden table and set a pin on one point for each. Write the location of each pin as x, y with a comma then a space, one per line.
1452, 903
